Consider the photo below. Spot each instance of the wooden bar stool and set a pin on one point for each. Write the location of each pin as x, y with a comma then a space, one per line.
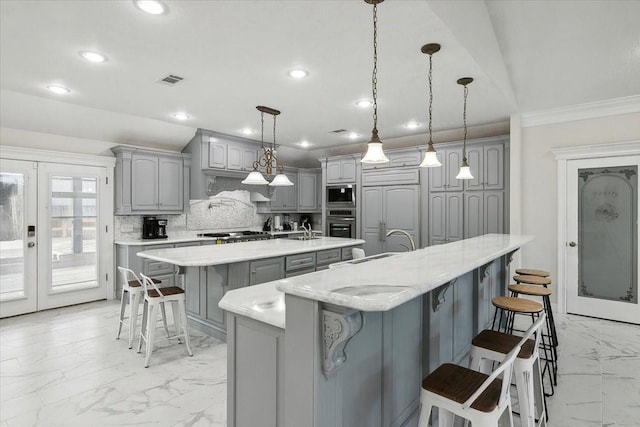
154, 297
539, 279
544, 293
532, 272
484, 400
532, 280
132, 285
493, 345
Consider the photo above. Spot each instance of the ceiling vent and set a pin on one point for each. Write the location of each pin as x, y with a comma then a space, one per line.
171, 80
338, 131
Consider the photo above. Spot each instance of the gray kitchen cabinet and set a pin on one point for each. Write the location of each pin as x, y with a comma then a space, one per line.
266, 270
341, 170
444, 178
446, 217
387, 208
285, 199
487, 167
217, 155
240, 158
397, 159
308, 184
126, 257
150, 182
483, 213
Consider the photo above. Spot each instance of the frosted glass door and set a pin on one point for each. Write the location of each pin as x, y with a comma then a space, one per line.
604, 239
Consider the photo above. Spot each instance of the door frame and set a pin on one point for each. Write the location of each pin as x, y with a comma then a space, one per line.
47, 156
563, 155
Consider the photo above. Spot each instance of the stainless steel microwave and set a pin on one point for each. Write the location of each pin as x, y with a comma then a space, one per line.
341, 196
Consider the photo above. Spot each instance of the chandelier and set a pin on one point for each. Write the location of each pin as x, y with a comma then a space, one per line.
267, 160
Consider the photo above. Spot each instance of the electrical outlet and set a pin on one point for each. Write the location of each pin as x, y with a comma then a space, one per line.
126, 228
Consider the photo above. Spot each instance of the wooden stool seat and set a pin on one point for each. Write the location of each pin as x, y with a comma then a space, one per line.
532, 272
517, 305
503, 343
537, 291
137, 284
458, 383
170, 290
533, 280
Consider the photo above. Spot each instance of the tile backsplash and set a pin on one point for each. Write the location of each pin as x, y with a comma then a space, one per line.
227, 210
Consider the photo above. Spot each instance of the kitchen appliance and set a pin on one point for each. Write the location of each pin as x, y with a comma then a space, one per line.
154, 228
277, 225
267, 225
341, 223
341, 196
305, 221
237, 236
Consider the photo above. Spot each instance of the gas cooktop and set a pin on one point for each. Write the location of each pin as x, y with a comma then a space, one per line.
238, 236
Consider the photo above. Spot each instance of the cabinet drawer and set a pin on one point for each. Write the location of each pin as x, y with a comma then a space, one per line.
154, 268
300, 272
166, 280
300, 261
327, 257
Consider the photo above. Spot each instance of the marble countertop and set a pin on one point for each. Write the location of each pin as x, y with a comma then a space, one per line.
377, 285
192, 236
198, 256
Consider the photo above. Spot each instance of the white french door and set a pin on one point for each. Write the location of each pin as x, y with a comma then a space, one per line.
602, 238
56, 231
18, 251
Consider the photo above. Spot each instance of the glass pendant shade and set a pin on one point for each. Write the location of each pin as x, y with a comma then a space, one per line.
374, 154
281, 180
465, 171
430, 159
255, 178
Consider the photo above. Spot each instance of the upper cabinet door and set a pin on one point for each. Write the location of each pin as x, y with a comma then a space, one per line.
334, 172
144, 182
171, 186
217, 155
249, 155
494, 167
453, 162
234, 157
348, 170
438, 176
307, 191
475, 156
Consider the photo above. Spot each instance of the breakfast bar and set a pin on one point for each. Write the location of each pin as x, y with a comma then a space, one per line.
348, 346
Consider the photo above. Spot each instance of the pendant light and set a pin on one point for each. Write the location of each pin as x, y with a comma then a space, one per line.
267, 159
430, 158
465, 171
374, 147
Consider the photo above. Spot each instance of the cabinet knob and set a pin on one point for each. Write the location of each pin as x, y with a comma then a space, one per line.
253, 272
572, 244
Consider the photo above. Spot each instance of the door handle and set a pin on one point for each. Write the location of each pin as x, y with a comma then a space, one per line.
30, 244
572, 244
381, 232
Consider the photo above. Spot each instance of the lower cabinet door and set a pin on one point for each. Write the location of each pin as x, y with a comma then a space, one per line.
266, 270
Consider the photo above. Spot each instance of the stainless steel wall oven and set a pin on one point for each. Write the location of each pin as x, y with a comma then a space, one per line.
341, 223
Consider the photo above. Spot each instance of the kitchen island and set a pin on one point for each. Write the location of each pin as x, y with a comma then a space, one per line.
349, 346
208, 272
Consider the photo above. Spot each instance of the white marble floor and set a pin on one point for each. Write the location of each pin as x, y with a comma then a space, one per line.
64, 368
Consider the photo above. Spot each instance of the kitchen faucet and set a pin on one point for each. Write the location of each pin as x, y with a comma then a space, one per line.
397, 230
308, 234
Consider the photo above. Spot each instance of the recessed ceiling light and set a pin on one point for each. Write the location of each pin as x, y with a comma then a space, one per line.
364, 103
93, 56
60, 90
298, 73
304, 144
247, 131
412, 125
353, 135
152, 7
181, 116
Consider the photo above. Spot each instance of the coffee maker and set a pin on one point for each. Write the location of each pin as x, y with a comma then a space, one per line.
153, 228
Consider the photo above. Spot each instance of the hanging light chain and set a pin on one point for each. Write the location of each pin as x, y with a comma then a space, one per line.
430, 95
374, 77
464, 121
262, 127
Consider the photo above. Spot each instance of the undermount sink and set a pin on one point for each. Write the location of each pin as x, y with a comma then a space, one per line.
303, 238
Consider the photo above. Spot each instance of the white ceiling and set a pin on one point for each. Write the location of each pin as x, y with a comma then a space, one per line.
524, 56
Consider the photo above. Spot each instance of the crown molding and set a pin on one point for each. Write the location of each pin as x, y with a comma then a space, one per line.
38, 155
591, 110
614, 149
